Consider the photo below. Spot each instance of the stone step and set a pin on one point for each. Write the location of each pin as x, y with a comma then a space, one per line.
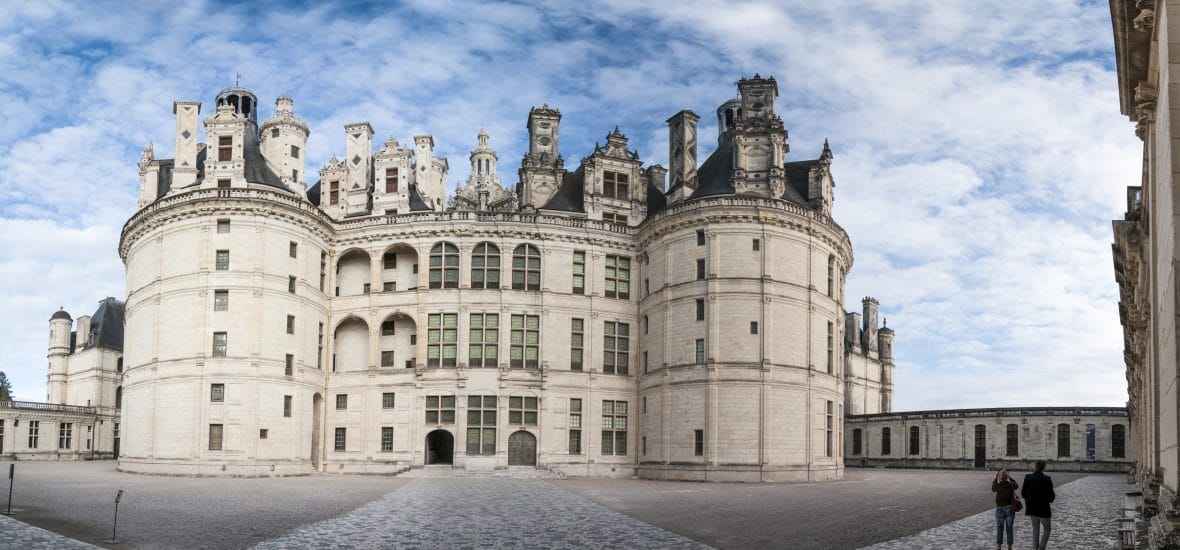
512, 472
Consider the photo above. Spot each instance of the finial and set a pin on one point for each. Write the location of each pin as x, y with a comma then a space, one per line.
884, 322
238, 80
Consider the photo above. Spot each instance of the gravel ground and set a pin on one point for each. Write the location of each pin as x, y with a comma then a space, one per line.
76, 499
869, 506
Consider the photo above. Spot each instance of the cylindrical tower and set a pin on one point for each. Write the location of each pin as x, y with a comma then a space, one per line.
740, 342
284, 143
59, 350
885, 342
225, 309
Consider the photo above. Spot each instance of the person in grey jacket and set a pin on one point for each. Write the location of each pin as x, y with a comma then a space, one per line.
1038, 494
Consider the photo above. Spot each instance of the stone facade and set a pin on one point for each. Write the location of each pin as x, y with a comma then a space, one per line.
1146, 35
592, 322
1093, 439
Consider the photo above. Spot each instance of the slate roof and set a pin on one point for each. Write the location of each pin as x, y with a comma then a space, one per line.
417, 203
570, 196
713, 175
60, 314
656, 200
798, 175
313, 194
106, 325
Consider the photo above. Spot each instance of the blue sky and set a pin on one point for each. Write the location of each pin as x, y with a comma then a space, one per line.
979, 151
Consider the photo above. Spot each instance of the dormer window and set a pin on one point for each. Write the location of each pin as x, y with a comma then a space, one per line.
225, 146
614, 185
333, 192
391, 180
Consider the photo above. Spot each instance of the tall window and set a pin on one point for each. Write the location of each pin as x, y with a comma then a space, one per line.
700, 237
522, 411
481, 425
222, 260
293, 249
294, 152
387, 358
1062, 440
485, 266
216, 393
856, 441
526, 268
614, 427
391, 180
219, 344
389, 260
386, 439
831, 346
65, 435
915, 440
444, 266
1118, 441
342, 401
119, 397
323, 269
387, 400
616, 343
442, 339
614, 185
223, 226
698, 442
885, 442
333, 192
700, 309
829, 427
291, 281
216, 434
579, 280
34, 433
319, 356
440, 409
701, 269
700, 351
220, 300
618, 277
225, 148
831, 275
577, 333
485, 333
388, 328
341, 440
525, 341
290, 324
287, 406
575, 423
1013, 440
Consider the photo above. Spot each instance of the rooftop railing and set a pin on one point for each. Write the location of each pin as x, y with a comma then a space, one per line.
46, 407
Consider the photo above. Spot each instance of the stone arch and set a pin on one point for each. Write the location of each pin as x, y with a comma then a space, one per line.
399, 268
353, 272
351, 349
397, 340
440, 447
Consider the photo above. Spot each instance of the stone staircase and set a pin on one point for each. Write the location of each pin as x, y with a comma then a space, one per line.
444, 471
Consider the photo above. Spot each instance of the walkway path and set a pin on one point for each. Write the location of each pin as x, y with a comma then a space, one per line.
1085, 518
18, 534
481, 513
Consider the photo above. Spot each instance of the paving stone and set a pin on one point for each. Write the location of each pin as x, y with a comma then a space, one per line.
481, 513
17, 534
1085, 515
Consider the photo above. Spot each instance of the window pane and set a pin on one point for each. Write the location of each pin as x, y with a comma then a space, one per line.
448, 401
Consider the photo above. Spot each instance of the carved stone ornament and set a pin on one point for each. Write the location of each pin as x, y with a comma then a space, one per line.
1146, 18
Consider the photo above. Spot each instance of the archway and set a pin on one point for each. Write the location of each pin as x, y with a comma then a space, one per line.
440, 447
351, 352
522, 449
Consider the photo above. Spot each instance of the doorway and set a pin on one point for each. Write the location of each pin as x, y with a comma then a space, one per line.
440, 447
980, 445
522, 449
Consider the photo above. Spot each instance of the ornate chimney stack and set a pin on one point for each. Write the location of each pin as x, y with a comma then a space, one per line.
682, 147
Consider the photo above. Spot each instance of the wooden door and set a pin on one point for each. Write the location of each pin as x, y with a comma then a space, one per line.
522, 449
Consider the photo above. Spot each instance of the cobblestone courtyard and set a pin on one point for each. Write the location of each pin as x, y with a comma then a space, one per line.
878, 509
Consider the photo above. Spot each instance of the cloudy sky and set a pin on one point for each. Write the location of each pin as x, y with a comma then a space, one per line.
980, 154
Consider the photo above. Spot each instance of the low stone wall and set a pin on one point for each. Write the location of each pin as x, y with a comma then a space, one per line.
1105, 466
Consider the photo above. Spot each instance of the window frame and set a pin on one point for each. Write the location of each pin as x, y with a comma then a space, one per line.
524, 341
616, 348
444, 266
485, 266
482, 411
617, 275
526, 268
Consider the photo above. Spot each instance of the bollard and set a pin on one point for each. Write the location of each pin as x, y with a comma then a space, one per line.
114, 539
11, 472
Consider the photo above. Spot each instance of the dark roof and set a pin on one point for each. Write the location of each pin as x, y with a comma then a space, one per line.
164, 183
257, 171
313, 194
656, 200
106, 325
798, 176
713, 175
60, 314
570, 197
417, 203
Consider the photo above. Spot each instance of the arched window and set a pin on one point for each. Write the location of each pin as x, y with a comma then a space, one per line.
915, 441
856, 444
444, 266
526, 268
1118, 441
119, 397
885, 442
1013, 448
485, 266
1063, 440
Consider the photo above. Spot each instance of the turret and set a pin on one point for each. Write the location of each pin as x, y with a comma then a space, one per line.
149, 176
542, 168
483, 192
759, 140
284, 144
232, 134
727, 115
430, 172
886, 353
59, 349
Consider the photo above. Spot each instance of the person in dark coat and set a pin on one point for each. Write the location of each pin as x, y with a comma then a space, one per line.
1038, 494
1005, 489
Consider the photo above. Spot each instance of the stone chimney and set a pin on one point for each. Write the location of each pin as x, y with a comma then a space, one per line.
184, 171
682, 147
870, 327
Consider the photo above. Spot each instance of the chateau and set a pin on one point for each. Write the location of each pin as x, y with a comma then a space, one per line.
608, 319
